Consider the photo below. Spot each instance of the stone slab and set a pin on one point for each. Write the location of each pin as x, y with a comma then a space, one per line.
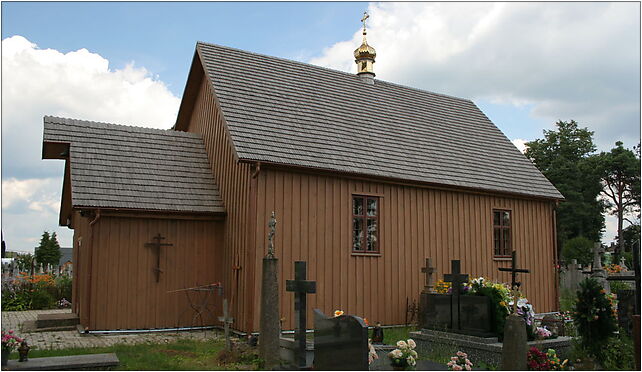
57, 320
486, 349
30, 326
65, 363
287, 352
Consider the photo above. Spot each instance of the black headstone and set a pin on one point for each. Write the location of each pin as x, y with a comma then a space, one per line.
438, 311
340, 343
475, 316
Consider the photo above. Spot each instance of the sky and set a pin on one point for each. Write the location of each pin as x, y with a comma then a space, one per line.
526, 65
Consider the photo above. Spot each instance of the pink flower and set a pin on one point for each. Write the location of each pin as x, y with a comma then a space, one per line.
457, 367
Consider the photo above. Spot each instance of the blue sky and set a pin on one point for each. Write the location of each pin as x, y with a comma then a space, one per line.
526, 65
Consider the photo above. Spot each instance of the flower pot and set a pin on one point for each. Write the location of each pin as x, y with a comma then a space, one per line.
5, 356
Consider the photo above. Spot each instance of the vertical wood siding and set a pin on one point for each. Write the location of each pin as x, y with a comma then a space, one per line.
233, 182
315, 226
125, 294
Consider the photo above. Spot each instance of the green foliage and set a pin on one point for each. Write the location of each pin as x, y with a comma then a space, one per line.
393, 334
41, 299
48, 252
567, 299
617, 286
594, 317
619, 171
23, 262
578, 248
63, 286
563, 157
619, 354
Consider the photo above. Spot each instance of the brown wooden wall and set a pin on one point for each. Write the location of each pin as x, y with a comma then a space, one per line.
124, 293
233, 182
314, 225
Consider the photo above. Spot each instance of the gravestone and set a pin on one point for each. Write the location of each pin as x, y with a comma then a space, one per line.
598, 271
428, 270
515, 346
269, 326
227, 321
456, 279
340, 343
301, 287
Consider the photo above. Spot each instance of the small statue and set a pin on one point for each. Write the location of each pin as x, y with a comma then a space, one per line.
23, 351
377, 334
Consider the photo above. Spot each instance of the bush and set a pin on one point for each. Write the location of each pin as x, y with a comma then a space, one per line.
594, 317
619, 354
37, 292
41, 299
578, 248
63, 285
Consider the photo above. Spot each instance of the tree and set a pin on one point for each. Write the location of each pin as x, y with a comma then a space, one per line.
48, 252
578, 248
563, 157
619, 172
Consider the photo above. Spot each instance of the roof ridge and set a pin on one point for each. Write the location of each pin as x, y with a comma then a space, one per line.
127, 127
332, 70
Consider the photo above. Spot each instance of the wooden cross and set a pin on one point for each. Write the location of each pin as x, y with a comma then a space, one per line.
457, 279
227, 321
156, 246
428, 270
514, 270
301, 287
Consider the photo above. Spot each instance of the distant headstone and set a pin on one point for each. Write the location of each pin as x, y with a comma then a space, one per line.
340, 343
515, 346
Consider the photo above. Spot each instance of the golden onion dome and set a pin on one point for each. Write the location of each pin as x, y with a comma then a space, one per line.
365, 50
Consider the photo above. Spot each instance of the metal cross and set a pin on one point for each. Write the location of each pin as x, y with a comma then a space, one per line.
156, 246
227, 321
428, 270
365, 16
457, 279
272, 226
514, 270
301, 287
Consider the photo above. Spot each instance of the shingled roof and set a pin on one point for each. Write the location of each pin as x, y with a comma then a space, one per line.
292, 113
118, 166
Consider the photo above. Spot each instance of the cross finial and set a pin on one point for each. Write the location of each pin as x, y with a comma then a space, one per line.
365, 16
272, 226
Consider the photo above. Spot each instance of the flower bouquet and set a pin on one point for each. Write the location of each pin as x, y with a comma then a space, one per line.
9, 342
404, 357
460, 362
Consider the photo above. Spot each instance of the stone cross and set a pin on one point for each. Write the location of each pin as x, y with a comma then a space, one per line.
156, 246
514, 270
301, 287
428, 270
456, 279
227, 321
272, 226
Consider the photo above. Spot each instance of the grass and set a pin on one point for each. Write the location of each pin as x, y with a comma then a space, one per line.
392, 335
567, 299
177, 355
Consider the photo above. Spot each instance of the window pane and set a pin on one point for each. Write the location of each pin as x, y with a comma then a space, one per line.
372, 235
506, 218
507, 247
372, 207
496, 218
497, 241
357, 233
357, 206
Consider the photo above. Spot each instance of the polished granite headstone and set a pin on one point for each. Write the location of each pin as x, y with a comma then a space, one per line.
475, 315
340, 343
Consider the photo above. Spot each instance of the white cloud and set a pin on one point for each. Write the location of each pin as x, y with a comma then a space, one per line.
520, 144
78, 84
568, 60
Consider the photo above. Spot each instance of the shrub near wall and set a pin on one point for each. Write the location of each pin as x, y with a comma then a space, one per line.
35, 292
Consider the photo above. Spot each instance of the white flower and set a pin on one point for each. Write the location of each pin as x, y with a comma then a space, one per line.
411, 343
396, 353
413, 353
402, 344
411, 361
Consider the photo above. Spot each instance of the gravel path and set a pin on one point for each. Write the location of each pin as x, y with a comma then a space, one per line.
72, 339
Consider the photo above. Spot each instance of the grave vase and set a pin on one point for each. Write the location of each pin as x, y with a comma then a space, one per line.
5, 356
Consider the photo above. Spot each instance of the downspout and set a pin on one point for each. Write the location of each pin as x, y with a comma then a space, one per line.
251, 256
90, 271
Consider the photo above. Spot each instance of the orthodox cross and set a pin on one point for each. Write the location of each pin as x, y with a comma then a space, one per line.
365, 16
272, 226
156, 246
514, 270
301, 287
227, 321
456, 279
428, 270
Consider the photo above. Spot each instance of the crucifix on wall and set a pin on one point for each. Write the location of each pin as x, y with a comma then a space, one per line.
156, 246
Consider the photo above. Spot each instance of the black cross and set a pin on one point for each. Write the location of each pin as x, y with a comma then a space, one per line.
457, 279
514, 270
301, 287
157, 246
428, 270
